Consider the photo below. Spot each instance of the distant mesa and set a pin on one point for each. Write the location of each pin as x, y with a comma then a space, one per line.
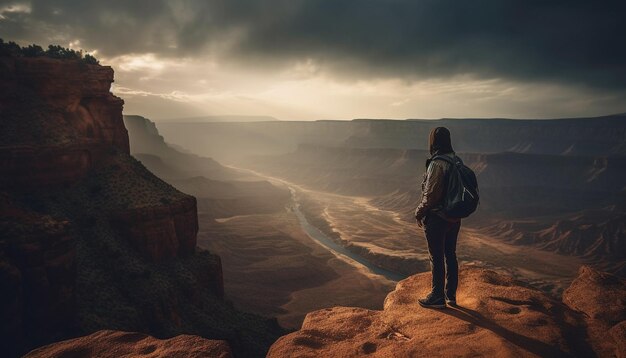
221, 118
230, 142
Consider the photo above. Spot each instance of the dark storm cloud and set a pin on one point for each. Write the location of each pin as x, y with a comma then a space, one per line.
579, 42
114, 27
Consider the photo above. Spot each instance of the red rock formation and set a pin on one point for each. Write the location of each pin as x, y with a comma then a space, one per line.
58, 118
601, 297
78, 94
116, 344
496, 316
59, 124
82, 123
161, 232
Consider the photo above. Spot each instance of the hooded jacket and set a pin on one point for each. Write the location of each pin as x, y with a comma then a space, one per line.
434, 184
434, 187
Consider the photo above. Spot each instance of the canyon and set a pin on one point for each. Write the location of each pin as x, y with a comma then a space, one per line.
547, 186
271, 265
569, 205
552, 200
122, 237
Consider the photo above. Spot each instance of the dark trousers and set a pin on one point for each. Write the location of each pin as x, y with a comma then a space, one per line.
441, 236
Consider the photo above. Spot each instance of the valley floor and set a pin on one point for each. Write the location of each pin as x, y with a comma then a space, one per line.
274, 268
387, 240
271, 267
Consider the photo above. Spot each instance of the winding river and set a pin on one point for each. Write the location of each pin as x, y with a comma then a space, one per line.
317, 235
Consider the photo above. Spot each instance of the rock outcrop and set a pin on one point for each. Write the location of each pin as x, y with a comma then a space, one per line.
73, 96
117, 344
601, 298
59, 118
60, 121
495, 316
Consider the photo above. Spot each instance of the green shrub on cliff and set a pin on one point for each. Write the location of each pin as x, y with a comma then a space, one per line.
33, 51
12, 49
56, 51
90, 60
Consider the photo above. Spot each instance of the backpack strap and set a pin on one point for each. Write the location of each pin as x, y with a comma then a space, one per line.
446, 158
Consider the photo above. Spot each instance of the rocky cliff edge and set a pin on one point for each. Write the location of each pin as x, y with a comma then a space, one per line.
496, 316
117, 344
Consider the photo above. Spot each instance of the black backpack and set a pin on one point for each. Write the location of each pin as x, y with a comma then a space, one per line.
462, 191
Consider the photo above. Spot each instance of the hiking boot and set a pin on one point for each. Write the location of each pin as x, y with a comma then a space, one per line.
432, 301
451, 300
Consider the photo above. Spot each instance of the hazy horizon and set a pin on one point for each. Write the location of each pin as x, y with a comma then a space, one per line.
199, 119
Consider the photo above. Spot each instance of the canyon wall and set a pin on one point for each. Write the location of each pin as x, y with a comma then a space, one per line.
226, 142
166, 161
59, 118
59, 122
89, 238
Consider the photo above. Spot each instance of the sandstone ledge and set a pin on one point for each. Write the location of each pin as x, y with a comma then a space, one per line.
116, 344
497, 316
601, 299
52, 101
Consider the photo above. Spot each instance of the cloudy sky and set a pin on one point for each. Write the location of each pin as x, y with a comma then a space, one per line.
343, 59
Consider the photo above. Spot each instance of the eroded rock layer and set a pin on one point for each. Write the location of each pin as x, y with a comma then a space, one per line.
58, 120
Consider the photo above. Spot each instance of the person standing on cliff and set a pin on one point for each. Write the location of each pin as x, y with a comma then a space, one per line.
441, 231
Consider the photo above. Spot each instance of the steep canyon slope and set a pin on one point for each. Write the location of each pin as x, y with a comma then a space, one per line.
89, 238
